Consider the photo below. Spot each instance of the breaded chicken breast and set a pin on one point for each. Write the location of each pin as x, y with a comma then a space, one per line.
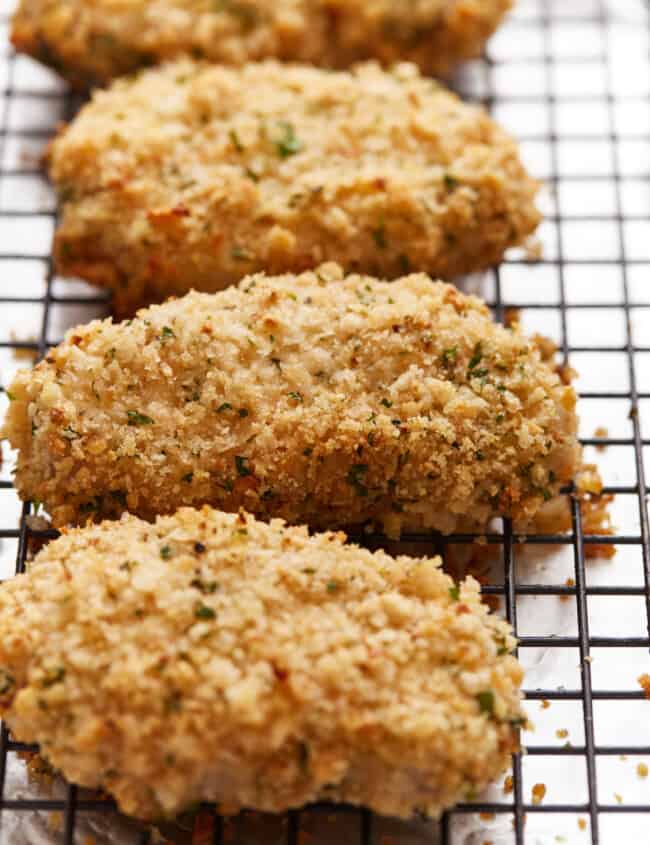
91, 41
191, 176
317, 398
211, 657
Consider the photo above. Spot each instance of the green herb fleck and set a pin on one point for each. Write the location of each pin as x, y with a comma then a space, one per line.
7, 682
242, 466
226, 406
166, 333
297, 397
10, 396
486, 702
53, 676
136, 418
449, 355
205, 612
188, 478
379, 235
386, 403
235, 141
240, 253
165, 552
69, 433
332, 586
356, 478
454, 592
451, 183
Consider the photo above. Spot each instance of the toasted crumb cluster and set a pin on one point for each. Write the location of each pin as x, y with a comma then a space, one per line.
91, 41
318, 398
191, 176
211, 657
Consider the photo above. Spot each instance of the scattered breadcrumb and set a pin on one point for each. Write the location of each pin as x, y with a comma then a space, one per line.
544, 704
570, 582
538, 793
642, 770
534, 249
582, 824
618, 797
595, 511
602, 432
508, 785
486, 817
23, 352
644, 683
561, 733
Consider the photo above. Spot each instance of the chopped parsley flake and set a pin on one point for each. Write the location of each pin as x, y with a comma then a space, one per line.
7, 682
356, 478
486, 702
297, 397
242, 466
205, 612
379, 235
332, 586
136, 418
167, 333
165, 552
225, 406
477, 357
449, 355
450, 181
454, 592
235, 141
386, 403
53, 676
289, 144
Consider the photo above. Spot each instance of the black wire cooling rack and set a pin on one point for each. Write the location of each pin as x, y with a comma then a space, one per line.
557, 72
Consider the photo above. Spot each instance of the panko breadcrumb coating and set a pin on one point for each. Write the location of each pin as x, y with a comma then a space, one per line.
91, 41
191, 176
211, 657
319, 399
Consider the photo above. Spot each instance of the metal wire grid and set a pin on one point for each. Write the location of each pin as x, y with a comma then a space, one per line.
540, 17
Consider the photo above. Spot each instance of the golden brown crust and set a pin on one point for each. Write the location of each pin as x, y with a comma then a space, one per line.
192, 176
92, 41
213, 657
320, 399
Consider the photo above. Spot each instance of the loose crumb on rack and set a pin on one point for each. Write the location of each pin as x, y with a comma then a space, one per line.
601, 432
545, 704
561, 733
582, 824
486, 817
618, 797
570, 582
508, 785
539, 791
642, 770
644, 683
